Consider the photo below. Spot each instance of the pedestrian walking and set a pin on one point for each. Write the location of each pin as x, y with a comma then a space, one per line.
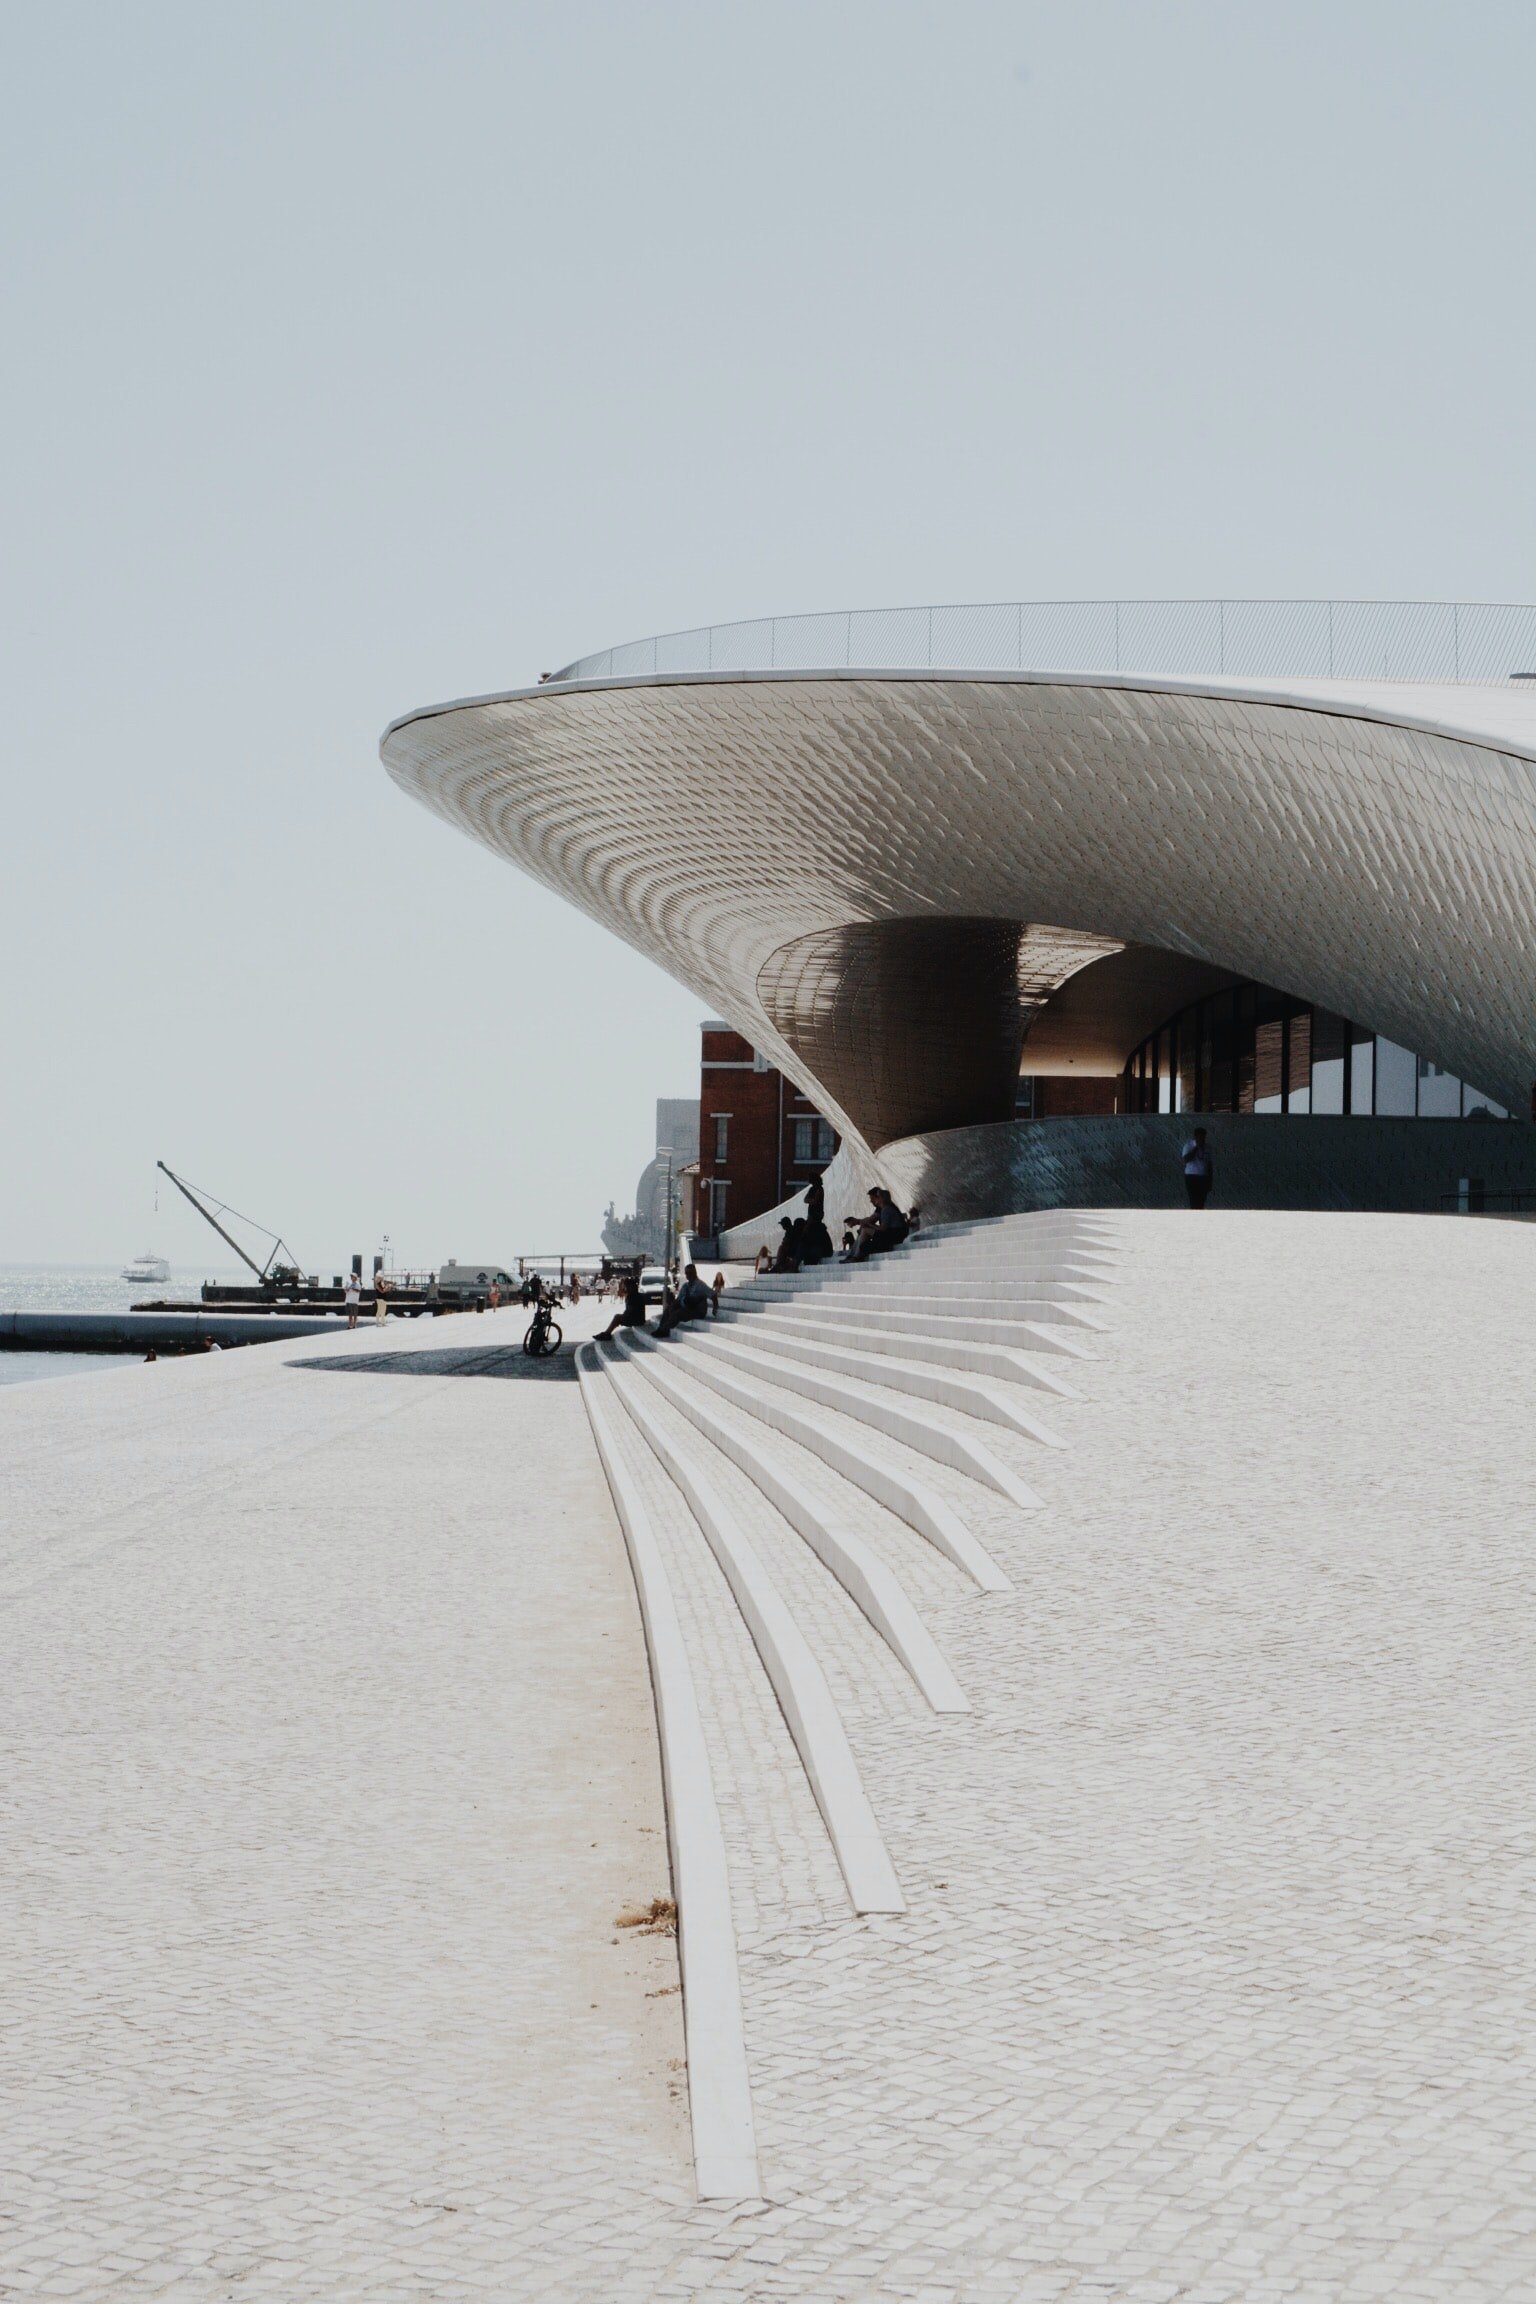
352, 1296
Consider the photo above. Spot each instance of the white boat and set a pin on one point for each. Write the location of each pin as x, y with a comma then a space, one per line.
147, 1268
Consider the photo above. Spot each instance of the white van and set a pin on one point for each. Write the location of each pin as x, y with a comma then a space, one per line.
475, 1280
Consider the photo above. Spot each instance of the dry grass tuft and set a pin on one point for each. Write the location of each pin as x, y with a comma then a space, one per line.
658, 1918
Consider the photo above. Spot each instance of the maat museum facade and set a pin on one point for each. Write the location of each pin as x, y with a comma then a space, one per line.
1272, 863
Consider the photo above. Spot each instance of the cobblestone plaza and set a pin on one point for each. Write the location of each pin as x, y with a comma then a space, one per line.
331, 1763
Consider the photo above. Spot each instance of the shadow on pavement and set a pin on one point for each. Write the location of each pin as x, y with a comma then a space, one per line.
502, 1360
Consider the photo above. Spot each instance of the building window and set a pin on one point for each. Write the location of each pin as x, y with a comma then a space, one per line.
1439, 1093
717, 1193
760, 1062
1261, 1051
1329, 1037
1397, 1080
722, 1134
813, 1142
1298, 1060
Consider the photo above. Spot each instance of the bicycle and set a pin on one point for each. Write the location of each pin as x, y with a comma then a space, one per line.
543, 1335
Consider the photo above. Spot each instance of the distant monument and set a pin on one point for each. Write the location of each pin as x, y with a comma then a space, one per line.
677, 1142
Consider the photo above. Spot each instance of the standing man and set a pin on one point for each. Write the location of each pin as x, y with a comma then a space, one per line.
380, 1290
352, 1296
1196, 1157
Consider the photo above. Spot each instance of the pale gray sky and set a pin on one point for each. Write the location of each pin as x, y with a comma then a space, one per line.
363, 354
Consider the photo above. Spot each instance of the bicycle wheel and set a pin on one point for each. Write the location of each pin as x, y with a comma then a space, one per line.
533, 1342
552, 1338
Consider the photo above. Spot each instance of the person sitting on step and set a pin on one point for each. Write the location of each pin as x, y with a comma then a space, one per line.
695, 1300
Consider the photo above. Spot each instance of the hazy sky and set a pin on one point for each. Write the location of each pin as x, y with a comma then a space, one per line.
361, 355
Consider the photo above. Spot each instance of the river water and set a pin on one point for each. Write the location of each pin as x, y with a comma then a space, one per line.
82, 1288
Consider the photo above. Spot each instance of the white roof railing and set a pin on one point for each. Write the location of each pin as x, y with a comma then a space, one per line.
1481, 641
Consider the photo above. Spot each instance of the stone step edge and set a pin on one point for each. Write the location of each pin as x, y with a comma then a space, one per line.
928, 1382
1020, 1335
835, 1275
913, 1430
999, 1361
815, 1724
873, 1587
725, 2161
1048, 1312
925, 1513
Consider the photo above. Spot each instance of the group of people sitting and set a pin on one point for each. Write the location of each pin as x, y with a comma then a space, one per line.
696, 1300
807, 1241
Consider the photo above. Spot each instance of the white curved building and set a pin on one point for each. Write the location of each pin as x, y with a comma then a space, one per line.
1201, 852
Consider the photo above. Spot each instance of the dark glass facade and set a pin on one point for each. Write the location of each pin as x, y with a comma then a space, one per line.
1251, 1049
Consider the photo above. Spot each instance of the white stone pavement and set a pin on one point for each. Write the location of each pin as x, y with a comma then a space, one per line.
1216, 1981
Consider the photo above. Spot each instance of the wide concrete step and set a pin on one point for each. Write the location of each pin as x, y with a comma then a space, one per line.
1029, 1289
1023, 1335
994, 1360
719, 2088
797, 1677
996, 1306
879, 1273
857, 1457
923, 1434
923, 1379
866, 1579
1035, 1221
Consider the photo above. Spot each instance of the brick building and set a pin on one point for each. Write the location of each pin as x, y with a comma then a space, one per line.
759, 1138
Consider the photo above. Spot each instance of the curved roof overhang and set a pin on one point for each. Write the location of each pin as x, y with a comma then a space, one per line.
784, 842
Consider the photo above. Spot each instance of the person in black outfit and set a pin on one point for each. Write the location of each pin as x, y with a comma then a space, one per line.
885, 1227
633, 1314
695, 1300
818, 1240
788, 1257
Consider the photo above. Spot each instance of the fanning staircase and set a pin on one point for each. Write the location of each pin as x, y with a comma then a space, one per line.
817, 1488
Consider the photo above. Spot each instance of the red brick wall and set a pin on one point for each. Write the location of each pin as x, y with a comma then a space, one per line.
759, 1110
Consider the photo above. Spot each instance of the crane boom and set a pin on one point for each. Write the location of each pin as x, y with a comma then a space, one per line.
260, 1270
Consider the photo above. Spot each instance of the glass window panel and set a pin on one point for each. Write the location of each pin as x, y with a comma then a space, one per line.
1439, 1093
1362, 1070
1473, 1100
1245, 1048
1329, 1037
1397, 1080
1327, 1083
1220, 1080
1187, 1043
1164, 1072
1269, 1053
1298, 1065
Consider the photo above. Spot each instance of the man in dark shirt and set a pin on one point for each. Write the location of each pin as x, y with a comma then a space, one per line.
695, 1300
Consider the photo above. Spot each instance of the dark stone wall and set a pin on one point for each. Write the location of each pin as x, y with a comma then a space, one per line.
1132, 1161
